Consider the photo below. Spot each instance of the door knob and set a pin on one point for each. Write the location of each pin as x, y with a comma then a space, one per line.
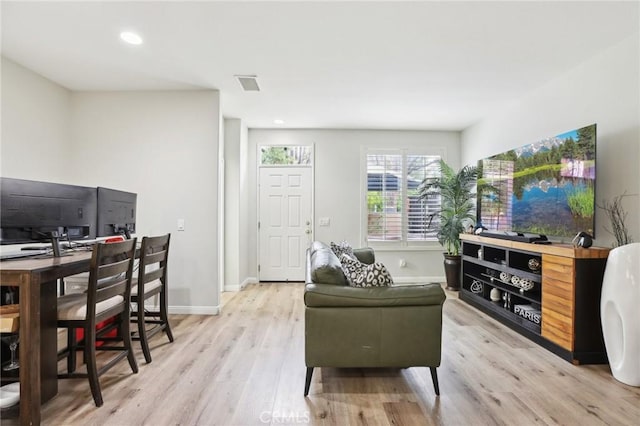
308, 231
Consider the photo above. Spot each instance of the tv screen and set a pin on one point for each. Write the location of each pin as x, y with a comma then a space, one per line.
31, 211
116, 212
546, 187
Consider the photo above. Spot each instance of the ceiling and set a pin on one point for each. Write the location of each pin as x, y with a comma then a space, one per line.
379, 65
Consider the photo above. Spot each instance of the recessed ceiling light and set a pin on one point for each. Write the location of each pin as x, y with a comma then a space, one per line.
130, 37
278, 121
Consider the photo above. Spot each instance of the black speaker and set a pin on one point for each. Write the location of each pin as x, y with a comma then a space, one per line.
582, 239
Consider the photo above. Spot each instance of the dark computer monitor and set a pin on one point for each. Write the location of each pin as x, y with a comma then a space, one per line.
32, 211
116, 212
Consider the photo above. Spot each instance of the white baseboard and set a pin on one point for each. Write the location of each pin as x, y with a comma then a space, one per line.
215, 310
243, 284
185, 310
194, 310
206, 310
418, 280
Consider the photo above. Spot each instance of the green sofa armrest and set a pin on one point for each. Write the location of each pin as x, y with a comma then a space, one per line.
326, 295
365, 255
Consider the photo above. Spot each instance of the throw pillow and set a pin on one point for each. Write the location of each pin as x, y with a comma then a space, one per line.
343, 248
362, 275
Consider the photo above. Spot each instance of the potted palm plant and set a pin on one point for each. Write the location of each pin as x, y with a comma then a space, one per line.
457, 212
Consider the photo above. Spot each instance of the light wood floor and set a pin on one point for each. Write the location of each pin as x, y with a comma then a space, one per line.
246, 367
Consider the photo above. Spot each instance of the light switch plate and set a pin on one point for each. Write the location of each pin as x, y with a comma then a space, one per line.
180, 224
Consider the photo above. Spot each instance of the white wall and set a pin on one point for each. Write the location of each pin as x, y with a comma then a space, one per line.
338, 186
232, 204
35, 126
161, 145
164, 147
244, 247
605, 89
236, 205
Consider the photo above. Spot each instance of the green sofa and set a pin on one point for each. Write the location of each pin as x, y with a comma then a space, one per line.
367, 327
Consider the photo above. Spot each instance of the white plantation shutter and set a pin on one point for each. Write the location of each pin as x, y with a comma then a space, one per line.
384, 197
422, 215
394, 210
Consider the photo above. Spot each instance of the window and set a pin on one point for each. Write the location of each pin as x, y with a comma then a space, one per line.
394, 210
285, 155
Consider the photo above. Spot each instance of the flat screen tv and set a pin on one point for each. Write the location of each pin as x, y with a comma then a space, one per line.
546, 187
116, 212
33, 211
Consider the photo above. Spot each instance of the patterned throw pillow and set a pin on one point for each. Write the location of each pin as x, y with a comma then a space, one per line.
362, 275
343, 248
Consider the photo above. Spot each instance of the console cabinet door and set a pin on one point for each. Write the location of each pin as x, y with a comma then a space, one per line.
558, 298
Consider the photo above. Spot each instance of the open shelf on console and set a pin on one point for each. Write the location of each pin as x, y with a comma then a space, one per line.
557, 287
498, 309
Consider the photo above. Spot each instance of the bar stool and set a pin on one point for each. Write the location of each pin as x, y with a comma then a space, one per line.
107, 296
151, 281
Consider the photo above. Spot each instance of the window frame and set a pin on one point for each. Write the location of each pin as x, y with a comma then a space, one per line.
260, 147
404, 243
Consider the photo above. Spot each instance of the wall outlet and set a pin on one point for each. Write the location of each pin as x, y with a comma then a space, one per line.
403, 263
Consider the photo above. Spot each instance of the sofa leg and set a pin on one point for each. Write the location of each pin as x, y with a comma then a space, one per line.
434, 378
307, 383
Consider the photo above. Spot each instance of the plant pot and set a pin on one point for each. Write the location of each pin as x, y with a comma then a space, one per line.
452, 270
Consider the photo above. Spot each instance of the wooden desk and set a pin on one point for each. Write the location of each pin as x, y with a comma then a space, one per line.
36, 279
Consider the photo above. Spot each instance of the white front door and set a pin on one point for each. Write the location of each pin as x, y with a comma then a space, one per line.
284, 228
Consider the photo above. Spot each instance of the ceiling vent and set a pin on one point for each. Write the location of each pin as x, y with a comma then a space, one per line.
248, 82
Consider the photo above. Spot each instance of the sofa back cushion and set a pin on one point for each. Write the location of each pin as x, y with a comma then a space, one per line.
325, 267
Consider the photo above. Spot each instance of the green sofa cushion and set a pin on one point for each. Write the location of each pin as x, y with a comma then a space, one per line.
365, 255
322, 295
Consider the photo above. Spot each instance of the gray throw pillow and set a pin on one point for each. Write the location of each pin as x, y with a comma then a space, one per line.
362, 275
343, 248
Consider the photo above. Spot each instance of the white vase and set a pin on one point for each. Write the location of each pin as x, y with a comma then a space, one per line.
620, 313
495, 295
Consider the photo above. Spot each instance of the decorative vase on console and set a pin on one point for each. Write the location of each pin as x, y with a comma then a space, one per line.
619, 305
495, 295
